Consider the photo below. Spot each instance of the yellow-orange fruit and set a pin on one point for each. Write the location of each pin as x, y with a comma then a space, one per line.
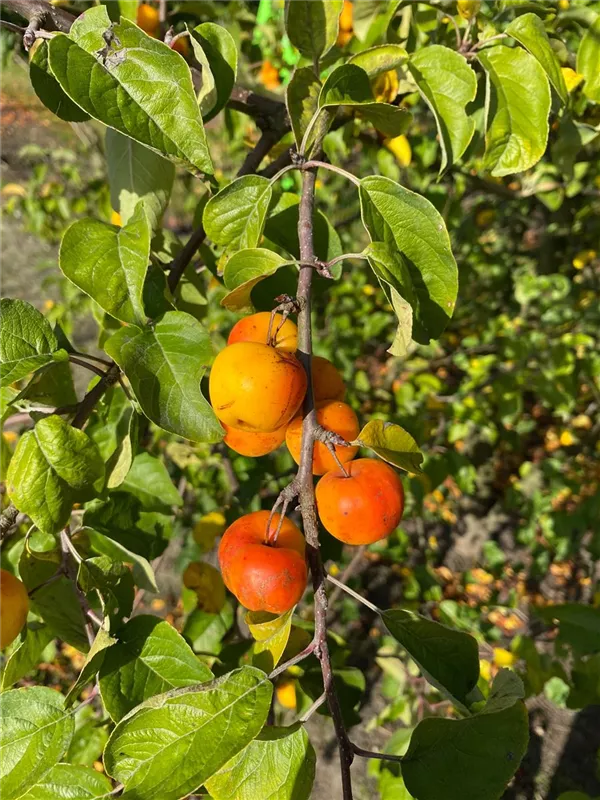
264, 576
334, 416
255, 387
255, 328
182, 46
148, 19
346, 16
328, 384
14, 606
115, 218
251, 444
364, 507
269, 76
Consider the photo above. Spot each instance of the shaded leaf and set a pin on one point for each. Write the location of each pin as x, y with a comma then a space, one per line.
302, 100
278, 765
143, 574
27, 342
119, 517
528, 29
160, 749
26, 653
122, 457
391, 443
588, 61
93, 660
579, 625
149, 658
48, 88
243, 271
165, 364
220, 51
282, 230
394, 278
448, 84
205, 631
109, 263
53, 466
149, 481
383, 58
312, 25
517, 107
34, 734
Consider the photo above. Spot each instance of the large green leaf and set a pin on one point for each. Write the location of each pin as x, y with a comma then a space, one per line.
109, 263
447, 84
236, 215
302, 100
137, 173
53, 466
588, 61
392, 444
312, 25
150, 658
149, 481
27, 342
171, 744
517, 107
394, 278
34, 734
48, 88
141, 88
383, 58
278, 765
409, 223
220, 52
472, 759
243, 271
70, 782
528, 29
448, 659
165, 364
349, 85
26, 653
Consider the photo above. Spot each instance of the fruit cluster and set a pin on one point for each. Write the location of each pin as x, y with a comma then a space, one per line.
257, 386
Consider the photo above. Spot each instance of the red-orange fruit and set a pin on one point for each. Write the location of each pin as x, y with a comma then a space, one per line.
251, 444
334, 416
328, 384
364, 507
255, 328
263, 575
255, 387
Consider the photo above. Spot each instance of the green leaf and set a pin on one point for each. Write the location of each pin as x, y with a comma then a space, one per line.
447, 83
302, 100
165, 364
448, 659
70, 782
172, 743
27, 342
517, 108
128, 8
89, 739
312, 25
119, 517
34, 734
149, 481
7, 395
48, 88
506, 690
109, 263
236, 215
93, 661
137, 173
278, 765
53, 467
349, 684
121, 459
220, 51
588, 61
143, 574
409, 223
282, 230
473, 758
205, 631
394, 278
143, 89
579, 625
52, 386
271, 634
112, 580
382, 58
56, 603
149, 658
26, 653
528, 30
243, 271
349, 85
392, 444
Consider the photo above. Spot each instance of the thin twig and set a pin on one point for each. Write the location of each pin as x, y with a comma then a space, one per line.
308, 651
312, 708
348, 573
91, 367
87, 405
371, 754
104, 361
352, 593
332, 168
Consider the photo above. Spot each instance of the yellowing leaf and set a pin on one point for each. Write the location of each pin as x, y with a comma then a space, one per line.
208, 528
400, 148
271, 634
503, 658
208, 584
385, 86
391, 443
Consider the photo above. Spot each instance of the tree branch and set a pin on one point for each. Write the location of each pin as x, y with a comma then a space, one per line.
306, 490
87, 405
